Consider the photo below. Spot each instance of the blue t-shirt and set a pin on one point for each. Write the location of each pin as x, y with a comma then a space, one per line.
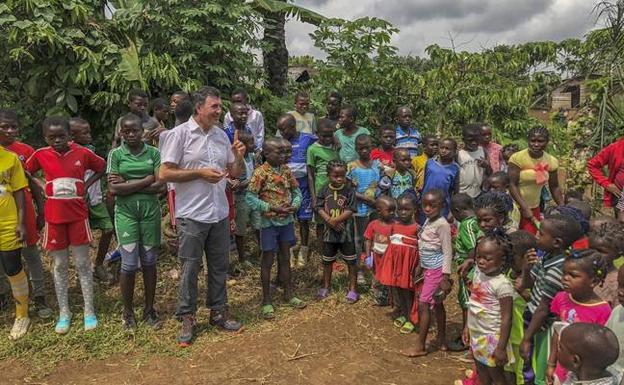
443, 177
365, 180
298, 161
229, 131
409, 140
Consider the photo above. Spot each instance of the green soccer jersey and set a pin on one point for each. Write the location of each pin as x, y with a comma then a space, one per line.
129, 166
318, 157
466, 240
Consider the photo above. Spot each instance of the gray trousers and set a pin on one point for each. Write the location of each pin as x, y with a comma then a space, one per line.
195, 240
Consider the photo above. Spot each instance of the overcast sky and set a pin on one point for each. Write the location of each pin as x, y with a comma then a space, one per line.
472, 23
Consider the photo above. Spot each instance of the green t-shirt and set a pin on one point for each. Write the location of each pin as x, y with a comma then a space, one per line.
466, 240
129, 166
347, 143
318, 157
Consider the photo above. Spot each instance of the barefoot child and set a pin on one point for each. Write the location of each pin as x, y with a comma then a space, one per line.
64, 166
377, 236
273, 191
300, 142
436, 258
399, 267
582, 272
335, 204
490, 308
13, 182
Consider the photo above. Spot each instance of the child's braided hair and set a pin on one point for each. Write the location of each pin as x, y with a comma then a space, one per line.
500, 236
538, 130
592, 262
495, 200
571, 212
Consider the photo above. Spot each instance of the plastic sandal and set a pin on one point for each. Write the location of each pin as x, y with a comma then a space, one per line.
352, 297
398, 322
322, 293
296, 303
62, 325
268, 311
90, 322
407, 328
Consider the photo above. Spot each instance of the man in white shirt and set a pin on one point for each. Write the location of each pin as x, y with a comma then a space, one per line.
197, 157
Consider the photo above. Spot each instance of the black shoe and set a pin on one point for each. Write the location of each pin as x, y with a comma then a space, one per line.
186, 331
222, 320
128, 322
152, 320
42, 309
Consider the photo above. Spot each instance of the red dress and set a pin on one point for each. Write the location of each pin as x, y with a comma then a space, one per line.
401, 258
378, 232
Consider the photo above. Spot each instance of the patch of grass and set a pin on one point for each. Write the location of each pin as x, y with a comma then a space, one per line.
42, 349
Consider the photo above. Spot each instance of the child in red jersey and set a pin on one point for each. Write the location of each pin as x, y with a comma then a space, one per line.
387, 141
33, 220
64, 165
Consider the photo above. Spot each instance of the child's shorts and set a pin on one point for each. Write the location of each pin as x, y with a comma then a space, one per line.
58, 236
245, 216
8, 238
138, 222
305, 210
99, 218
431, 282
271, 237
347, 249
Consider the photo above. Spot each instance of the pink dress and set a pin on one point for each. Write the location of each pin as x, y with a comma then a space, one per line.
569, 311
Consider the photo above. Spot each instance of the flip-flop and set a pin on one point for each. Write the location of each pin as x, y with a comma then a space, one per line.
407, 328
267, 311
296, 303
352, 297
322, 293
398, 322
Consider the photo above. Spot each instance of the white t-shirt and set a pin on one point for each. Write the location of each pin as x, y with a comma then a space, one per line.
470, 174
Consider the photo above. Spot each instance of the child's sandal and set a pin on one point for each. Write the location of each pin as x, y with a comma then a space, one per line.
296, 303
268, 312
400, 321
407, 328
322, 293
352, 297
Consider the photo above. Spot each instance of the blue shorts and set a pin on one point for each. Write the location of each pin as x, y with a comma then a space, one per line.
305, 210
271, 237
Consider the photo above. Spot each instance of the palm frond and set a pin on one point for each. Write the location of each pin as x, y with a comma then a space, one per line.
291, 10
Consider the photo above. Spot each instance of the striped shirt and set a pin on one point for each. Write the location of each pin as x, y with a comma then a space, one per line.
547, 277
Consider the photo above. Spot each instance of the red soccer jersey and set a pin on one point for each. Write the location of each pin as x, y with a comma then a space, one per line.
22, 150
64, 175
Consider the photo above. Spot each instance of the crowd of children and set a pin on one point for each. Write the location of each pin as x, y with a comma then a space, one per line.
416, 216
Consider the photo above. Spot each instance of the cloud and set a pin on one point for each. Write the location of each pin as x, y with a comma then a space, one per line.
469, 24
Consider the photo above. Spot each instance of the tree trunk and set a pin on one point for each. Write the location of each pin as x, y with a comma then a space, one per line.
275, 55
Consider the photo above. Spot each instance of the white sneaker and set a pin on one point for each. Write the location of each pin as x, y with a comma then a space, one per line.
303, 256
20, 328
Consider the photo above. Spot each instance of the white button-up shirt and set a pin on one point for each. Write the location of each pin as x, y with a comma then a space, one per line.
189, 147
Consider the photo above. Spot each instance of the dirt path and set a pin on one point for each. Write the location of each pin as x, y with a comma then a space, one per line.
350, 345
